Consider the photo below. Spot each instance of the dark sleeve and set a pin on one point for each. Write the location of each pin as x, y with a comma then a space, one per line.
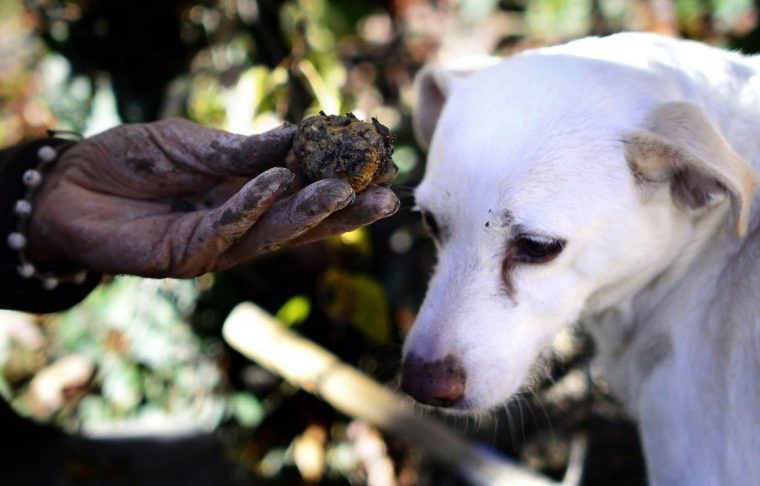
16, 292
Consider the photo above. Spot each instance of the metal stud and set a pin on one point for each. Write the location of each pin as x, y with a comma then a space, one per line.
79, 278
32, 178
46, 154
26, 270
16, 241
49, 283
23, 208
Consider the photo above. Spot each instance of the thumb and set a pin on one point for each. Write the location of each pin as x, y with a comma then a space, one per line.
239, 155
219, 153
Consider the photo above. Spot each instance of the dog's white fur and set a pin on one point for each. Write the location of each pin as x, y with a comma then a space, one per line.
590, 142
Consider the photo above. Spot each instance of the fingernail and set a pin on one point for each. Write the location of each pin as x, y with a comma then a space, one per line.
396, 206
290, 182
286, 180
274, 179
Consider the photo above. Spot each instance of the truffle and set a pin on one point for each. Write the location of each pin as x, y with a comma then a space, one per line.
343, 147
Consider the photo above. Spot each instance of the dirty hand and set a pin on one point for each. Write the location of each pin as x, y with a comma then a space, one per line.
175, 199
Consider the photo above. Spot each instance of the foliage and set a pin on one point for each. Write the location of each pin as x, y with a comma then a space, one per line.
246, 66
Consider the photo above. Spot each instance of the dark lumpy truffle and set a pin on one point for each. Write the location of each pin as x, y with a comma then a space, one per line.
343, 147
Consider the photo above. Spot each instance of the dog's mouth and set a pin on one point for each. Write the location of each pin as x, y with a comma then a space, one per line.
468, 406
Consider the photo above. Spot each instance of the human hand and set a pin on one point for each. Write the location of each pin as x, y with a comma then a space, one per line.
175, 199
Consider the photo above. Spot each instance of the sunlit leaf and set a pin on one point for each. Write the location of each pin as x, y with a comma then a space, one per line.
405, 158
358, 240
294, 311
272, 463
121, 385
247, 409
558, 19
358, 300
327, 96
206, 102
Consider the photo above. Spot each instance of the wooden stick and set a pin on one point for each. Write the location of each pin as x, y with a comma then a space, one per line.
260, 337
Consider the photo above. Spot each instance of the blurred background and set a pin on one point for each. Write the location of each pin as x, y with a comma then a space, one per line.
146, 356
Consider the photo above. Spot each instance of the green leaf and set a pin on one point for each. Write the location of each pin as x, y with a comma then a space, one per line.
247, 409
558, 19
406, 160
358, 240
359, 300
371, 310
294, 311
328, 97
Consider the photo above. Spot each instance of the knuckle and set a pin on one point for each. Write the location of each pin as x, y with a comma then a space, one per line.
171, 122
279, 175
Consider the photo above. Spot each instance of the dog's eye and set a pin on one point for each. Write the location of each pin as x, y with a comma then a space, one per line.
532, 249
431, 225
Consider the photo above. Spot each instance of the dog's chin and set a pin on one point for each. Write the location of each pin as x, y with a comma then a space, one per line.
488, 399
464, 408
488, 394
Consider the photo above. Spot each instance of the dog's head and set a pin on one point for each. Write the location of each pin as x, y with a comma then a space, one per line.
555, 187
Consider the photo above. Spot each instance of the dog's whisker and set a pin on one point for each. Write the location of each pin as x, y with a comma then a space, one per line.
529, 406
545, 412
522, 419
495, 418
513, 439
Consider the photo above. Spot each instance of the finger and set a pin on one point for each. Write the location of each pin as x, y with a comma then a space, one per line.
371, 205
290, 218
220, 228
219, 153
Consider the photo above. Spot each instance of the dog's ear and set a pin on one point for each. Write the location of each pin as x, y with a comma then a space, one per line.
682, 148
432, 86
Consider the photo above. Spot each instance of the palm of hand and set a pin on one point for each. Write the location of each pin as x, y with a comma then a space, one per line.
175, 199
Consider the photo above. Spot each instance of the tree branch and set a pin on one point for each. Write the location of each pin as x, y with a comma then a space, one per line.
258, 336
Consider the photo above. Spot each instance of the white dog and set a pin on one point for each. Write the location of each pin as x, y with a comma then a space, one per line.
607, 181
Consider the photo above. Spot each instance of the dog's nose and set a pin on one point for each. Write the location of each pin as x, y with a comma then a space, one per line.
438, 383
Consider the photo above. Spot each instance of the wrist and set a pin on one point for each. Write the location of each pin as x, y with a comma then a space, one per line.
41, 241
29, 237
